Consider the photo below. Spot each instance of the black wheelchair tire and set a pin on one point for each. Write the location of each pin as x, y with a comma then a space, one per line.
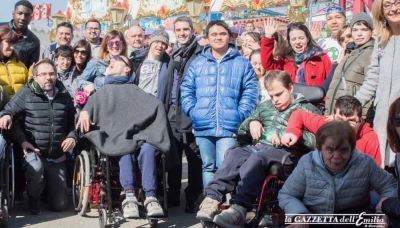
4, 218
153, 223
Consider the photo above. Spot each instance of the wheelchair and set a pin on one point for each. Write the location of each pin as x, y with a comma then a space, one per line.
266, 211
7, 178
96, 185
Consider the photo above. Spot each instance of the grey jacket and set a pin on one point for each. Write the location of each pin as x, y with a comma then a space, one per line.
311, 188
383, 82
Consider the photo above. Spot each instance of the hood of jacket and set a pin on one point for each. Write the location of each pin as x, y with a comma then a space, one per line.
232, 49
34, 86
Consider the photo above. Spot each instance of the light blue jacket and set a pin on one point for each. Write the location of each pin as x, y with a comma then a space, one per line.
93, 73
312, 189
218, 96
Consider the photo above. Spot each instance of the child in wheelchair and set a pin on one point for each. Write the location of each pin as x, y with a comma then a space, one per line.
266, 125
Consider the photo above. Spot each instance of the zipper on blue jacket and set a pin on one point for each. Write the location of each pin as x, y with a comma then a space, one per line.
216, 103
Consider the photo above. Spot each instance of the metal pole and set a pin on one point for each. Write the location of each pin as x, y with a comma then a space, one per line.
310, 4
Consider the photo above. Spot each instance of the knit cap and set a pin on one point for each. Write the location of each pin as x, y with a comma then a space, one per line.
362, 17
159, 35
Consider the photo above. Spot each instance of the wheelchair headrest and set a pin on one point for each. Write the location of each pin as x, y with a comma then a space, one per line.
314, 94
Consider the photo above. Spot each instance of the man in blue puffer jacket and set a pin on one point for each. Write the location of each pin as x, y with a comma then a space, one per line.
218, 92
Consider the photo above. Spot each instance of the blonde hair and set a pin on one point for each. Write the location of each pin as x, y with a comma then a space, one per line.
380, 24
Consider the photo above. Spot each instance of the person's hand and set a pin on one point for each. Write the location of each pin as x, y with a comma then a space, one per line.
5, 122
79, 98
68, 144
89, 89
330, 118
379, 205
256, 129
316, 31
26, 146
84, 121
289, 139
270, 27
275, 140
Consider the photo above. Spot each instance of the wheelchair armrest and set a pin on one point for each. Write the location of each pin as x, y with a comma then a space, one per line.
243, 139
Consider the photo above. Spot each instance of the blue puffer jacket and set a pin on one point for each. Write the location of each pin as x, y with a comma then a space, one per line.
93, 73
219, 96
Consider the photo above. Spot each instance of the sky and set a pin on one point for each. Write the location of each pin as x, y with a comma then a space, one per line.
8, 7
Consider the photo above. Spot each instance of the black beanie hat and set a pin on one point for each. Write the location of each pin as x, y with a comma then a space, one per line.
25, 3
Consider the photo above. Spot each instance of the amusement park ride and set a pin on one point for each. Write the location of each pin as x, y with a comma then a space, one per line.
120, 14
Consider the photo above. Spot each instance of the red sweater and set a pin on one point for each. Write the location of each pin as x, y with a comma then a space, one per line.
367, 140
317, 68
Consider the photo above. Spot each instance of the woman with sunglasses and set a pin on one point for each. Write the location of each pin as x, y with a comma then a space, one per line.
382, 79
82, 55
92, 78
391, 206
350, 73
335, 20
305, 61
13, 73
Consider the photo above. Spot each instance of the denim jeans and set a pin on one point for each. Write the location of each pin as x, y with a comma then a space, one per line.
147, 164
40, 174
212, 151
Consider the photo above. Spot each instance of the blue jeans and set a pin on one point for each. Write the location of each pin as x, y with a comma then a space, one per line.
147, 164
212, 151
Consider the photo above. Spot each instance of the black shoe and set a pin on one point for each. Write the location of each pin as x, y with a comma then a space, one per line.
191, 206
19, 198
33, 206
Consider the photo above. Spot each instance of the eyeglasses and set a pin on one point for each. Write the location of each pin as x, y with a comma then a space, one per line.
342, 38
91, 28
395, 121
334, 8
119, 58
80, 52
111, 43
51, 74
388, 5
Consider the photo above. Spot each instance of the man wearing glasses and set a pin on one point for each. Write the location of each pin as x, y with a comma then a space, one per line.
28, 44
92, 35
64, 36
49, 134
347, 108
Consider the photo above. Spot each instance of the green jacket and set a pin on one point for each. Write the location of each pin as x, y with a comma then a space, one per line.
354, 67
275, 121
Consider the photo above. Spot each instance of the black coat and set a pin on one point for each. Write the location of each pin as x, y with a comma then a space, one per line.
27, 47
183, 122
47, 122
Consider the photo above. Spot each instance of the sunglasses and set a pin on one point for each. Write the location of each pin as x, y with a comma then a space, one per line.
342, 38
80, 52
334, 8
112, 43
395, 121
119, 58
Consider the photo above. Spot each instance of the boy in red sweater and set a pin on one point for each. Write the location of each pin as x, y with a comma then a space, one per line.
347, 108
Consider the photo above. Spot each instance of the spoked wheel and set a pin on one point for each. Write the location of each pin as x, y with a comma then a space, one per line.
102, 218
4, 219
153, 223
81, 183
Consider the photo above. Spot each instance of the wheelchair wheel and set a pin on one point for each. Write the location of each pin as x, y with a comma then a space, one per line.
153, 223
4, 219
9, 179
81, 183
102, 218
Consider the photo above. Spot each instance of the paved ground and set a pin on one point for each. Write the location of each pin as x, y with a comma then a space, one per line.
68, 219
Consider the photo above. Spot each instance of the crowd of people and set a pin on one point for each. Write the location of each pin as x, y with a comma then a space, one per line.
209, 90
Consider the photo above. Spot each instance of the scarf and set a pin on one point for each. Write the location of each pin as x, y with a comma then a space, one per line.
300, 58
115, 80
